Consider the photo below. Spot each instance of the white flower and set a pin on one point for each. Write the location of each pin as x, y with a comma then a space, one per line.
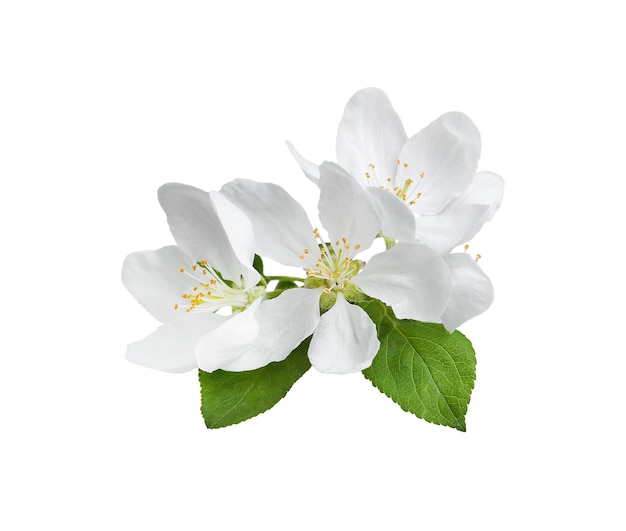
410, 277
425, 188
209, 268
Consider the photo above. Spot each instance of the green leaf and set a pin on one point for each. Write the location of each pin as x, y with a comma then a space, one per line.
422, 367
232, 397
257, 263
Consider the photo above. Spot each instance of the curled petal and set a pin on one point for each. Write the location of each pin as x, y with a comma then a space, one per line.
344, 208
456, 224
446, 152
370, 134
409, 277
472, 292
281, 227
310, 169
240, 235
198, 229
171, 347
486, 188
461, 220
345, 339
397, 221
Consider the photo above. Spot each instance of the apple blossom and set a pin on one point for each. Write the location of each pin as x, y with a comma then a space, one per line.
410, 277
424, 188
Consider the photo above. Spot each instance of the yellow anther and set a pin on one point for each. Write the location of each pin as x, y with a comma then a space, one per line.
406, 164
337, 242
194, 267
301, 257
176, 306
388, 179
372, 166
357, 246
368, 175
381, 186
347, 245
478, 257
195, 288
422, 175
411, 202
182, 269
419, 194
204, 263
398, 162
466, 246
204, 271
213, 281
344, 240
306, 251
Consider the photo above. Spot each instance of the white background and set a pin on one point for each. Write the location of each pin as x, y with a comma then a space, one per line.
102, 102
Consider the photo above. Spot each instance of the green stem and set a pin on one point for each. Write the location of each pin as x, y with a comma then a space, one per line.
287, 279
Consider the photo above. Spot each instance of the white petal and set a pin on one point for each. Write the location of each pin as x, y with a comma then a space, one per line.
310, 169
345, 340
472, 292
397, 220
281, 227
345, 209
284, 322
456, 224
464, 216
155, 280
171, 347
227, 343
197, 228
486, 188
240, 234
447, 152
409, 277
370, 132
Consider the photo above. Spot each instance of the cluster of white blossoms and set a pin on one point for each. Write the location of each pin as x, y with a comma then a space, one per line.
421, 194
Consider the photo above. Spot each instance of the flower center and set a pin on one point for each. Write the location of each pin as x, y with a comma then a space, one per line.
213, 292
335, 266
402, 184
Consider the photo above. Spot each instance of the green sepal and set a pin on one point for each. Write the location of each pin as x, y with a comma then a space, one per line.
231, 397
257, 263
285, 284
422, 367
